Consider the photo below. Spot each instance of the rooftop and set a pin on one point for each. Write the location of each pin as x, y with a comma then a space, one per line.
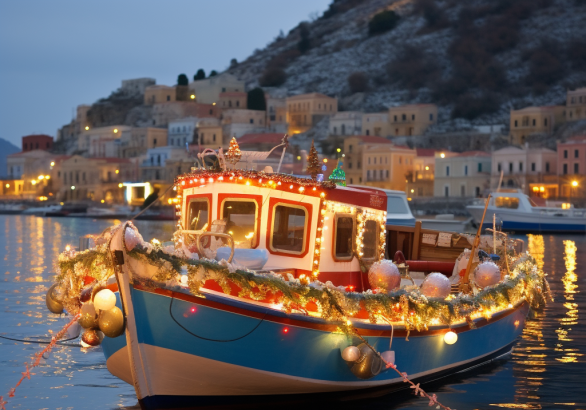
268, 138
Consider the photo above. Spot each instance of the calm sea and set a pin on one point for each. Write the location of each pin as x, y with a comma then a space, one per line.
547, 369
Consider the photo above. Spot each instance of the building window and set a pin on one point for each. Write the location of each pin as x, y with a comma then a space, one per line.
533, 121
168, 98
367, 132
480, 167
576, 153
565, 169
395, 118
465, 169
576, 168
241, 216
412, 117
349, 148
446, 190
404, 117
368, 160
289, 229
565, 153
545, 122
387, 174
547, 167
359, 164
477, 191
349, 165
499, 167
252, 121
510, 167
344, 237
368, 175
374, 160
430, 117
462, 190
447, 171
516, 123
533, 167
154, 142
520, 166
380, 174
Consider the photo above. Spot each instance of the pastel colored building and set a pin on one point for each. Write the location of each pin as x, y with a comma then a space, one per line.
157, 94
346, 123
353, 150
413, 119
421, 179
465, 174
234, 99
525, 168
276, 114
30, 167
208, 90
209, 134
386, 165
576, 104
136, 141
153, 168
305, 110
533, 120
37, 141
236, 123
376, 124
571, 170
101, 141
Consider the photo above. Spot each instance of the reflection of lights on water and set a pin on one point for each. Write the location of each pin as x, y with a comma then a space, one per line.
536, 248
571, 318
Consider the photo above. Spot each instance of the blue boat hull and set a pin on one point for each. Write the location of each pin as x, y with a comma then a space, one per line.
199, 352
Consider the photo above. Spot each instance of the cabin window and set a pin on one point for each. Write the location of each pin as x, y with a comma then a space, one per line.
197, 215
241, 218
289, 229
370, 240
344, 237
506, 202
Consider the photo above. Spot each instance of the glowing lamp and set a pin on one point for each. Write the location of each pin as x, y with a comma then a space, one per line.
105, 299
286, 330
52, 163
115, 130
87, 128
574, 183
442, 155
450, 338
192, 96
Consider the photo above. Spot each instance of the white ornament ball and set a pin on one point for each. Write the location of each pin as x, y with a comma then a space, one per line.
450, 338
384, 275
184, 279
351, 354
132, 238
487, 274
105, 300
436, 285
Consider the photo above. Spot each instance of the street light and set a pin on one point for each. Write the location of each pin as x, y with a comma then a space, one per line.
574, 184
442, 155
72, 187
339, 150
87, 127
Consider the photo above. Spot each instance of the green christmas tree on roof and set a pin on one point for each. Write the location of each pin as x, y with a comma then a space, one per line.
338, 175
313, 162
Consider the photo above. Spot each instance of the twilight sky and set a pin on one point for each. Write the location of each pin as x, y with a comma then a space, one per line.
57, 54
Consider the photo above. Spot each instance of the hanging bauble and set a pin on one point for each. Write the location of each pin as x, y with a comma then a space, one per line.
487, 274
384, 275
351, 354
112, 322
105, 299
91, 338
368, 365
52, 303
450, 338
436, 285
89, 316
132, 238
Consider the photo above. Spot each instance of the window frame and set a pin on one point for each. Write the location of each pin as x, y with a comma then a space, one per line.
377, 243
334, 236
257, 199
198, 197
308, 208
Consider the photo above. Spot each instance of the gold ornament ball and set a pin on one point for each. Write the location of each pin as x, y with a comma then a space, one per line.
52, 303
89, 316
112, 322
91, 338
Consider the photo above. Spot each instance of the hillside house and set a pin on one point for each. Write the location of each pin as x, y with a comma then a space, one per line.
414, 119
305, 110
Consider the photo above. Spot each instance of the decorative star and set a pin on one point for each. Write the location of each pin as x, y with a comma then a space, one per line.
416, 387
2, 403
433, 400
11, 392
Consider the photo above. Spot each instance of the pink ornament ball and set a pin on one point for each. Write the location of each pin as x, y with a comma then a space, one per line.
384, 275
487, 274
132, 238
436, 285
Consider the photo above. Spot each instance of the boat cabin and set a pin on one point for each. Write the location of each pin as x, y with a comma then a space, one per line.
317, 229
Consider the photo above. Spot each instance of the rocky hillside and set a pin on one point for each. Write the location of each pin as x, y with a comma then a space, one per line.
476, 59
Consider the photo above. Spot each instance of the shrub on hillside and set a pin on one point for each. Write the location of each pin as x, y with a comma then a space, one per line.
200, 75
577, 53
470, 107
273, 77
413, 68
304, 43
182, 79
358, 82
256, 99
383, 22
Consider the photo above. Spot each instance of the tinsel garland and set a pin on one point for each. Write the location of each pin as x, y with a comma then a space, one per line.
407, 305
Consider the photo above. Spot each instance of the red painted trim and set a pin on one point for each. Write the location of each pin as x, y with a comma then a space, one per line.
357, 279
255, 198
273, 202
209, 197
325, 327
374, 199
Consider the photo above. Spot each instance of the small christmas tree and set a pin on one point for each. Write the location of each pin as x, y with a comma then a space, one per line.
233, 155
338, 175
313, 162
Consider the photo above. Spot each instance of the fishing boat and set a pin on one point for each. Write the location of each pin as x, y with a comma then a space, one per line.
280, 289
515, 211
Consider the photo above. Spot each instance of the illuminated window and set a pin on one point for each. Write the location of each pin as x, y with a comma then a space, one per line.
241, 219
344, 237
370, 240
506, 202
289, 229
197, 216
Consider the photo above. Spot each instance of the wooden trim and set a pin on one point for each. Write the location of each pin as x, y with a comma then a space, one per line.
244, 198
416, 241
273, 202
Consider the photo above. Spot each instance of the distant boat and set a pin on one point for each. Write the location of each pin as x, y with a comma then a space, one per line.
515, 211
11, 209
41, 210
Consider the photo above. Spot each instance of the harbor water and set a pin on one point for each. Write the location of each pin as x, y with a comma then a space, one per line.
546, 369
